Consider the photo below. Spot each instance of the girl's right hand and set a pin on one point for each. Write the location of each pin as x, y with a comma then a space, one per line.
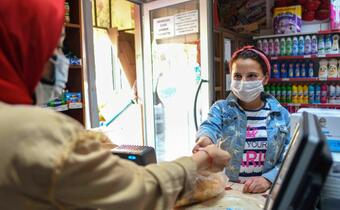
201, 143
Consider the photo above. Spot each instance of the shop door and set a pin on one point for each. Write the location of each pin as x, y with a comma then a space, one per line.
177, 62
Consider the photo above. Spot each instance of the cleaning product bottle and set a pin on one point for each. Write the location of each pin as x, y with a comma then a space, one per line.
276, 47
308, 45
289, 93
321, 45
294, 94
332, 94
314, 44
283, 93
278, 92
301, 45
295, 50
328, 44
273, 90
305, 94
282, 46
303, 70
310, 69
284, 73
275, 70
271, 47
289, 46
297, 72
311, 94
335, 44
337, 93
324, 92
259, 44
317, 94
265, 48
291, 70
300, 94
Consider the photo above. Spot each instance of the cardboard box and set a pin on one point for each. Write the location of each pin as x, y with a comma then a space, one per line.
287, 20
329, 120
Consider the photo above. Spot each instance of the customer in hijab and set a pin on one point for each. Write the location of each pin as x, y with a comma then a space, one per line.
48, 160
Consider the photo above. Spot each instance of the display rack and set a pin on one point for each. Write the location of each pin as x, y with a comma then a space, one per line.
74, 44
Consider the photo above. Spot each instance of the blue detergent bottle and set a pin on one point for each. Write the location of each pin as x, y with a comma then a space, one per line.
311, 94
297, 70
317, 98
291, 70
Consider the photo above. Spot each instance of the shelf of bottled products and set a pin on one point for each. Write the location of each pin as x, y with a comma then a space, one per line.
325, 105
315, 79
321, 32
300, 57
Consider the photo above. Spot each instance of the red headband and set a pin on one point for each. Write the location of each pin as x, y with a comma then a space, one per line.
251, 48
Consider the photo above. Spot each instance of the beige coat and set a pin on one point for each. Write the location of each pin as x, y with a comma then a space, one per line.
48, 161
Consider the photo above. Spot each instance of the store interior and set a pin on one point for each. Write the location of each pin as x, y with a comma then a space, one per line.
141, 86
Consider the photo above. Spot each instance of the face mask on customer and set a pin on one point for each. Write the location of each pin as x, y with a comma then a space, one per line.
47, 91
246, 91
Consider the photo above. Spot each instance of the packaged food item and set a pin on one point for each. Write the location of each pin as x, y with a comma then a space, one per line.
308, 45
314, 44
332, 68
289, 46
295, 50
321, 45
282, 46
301, 45
323, 69
287, 19
311, 94
206, 187
335, 43
276, 47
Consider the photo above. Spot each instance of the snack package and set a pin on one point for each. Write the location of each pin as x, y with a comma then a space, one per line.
206, 186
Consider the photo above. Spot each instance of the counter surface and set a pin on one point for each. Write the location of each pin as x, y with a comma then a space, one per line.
232, 199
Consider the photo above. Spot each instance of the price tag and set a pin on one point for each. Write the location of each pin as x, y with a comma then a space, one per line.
285, 79
61, 108
77, 105
323, 78
307, 56
322, 56
274, 58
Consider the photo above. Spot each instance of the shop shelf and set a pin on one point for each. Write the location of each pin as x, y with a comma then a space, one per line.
299, 57
75, 66
297, 34
332, 106
315, 79
72, 25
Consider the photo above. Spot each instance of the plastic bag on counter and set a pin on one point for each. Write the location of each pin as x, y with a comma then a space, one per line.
206, 186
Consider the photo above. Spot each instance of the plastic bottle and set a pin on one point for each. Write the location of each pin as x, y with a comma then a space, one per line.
273, 90
332, 68
276, 47
291, 70
332, 94
328, 44
300, 94
295, 50
321, 45
259, 44
317, 94
294, 94
308, 45
335, 44
311, 94
303, 70
271, 47
289, 46
278, 93
324, 91
310, 69
284, 93
305, 94
282, 46
265, 48
297, 70
301, 45
267, 89
314, 44
275, 70
289, 93
323, 69
283, 70
337, 90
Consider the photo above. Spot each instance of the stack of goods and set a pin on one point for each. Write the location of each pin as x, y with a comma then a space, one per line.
291, 69
305, 93
300, 45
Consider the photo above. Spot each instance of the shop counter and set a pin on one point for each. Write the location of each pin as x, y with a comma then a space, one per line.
233, 199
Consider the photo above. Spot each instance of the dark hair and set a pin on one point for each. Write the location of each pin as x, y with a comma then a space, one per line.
249, 54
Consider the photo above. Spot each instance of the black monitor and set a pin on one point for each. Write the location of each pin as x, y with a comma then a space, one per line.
304, 169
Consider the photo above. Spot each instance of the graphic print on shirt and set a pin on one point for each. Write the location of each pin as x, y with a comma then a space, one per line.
255, 147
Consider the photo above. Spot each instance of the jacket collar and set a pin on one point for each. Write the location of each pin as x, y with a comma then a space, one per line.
274, 105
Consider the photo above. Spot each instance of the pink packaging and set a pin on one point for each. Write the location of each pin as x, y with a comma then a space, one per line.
334, 14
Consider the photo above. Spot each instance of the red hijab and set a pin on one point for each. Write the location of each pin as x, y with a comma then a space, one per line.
29, 32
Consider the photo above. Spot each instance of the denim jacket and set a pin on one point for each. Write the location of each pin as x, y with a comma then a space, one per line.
227, 121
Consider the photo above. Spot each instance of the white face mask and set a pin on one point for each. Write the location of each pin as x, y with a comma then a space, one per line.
46, 92
246, 91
